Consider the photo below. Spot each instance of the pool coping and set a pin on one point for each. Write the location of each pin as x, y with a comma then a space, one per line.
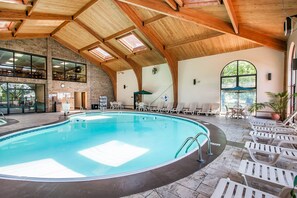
119, 186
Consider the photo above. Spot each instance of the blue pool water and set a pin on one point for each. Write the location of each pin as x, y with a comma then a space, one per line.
96, 145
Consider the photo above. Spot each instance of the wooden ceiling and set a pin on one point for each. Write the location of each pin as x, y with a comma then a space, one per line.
82, 24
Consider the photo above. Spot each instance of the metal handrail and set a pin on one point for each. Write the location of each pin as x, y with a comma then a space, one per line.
3, 117
208, 143
200, 159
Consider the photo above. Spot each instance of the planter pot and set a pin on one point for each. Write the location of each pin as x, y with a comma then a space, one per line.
275, 116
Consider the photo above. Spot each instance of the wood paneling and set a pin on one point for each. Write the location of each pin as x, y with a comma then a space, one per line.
11, 6
149, 58
76, 35
144, 14
63, 7
217, 45
105, 18
118, 65
39, 26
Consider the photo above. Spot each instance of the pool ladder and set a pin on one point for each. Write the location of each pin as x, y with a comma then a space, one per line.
2, 114
195, 139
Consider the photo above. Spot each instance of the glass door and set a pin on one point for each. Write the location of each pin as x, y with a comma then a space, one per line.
29, 101
15, 99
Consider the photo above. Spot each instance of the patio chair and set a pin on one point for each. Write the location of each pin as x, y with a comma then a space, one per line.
214, 109
141, 106
159, 107
270, 138
205, 109
228, 112
288, 129
168, 108
227, 189
191, 109
178, 108
267, 174
273, 152
112, 106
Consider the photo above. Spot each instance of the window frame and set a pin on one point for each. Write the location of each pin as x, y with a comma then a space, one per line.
64, 71
101, 58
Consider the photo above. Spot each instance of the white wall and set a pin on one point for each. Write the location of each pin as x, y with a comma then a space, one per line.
207, 70
160, 84
127, 78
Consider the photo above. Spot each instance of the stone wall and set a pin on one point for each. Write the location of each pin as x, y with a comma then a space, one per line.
98, 82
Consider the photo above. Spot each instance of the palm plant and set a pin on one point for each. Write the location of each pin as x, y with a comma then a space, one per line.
278, 102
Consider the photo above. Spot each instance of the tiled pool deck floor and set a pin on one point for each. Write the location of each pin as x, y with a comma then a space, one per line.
199, 184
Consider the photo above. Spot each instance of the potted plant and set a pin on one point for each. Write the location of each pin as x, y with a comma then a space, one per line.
278, 102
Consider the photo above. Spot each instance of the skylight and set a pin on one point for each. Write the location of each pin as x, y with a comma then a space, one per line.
101, 53
132, 42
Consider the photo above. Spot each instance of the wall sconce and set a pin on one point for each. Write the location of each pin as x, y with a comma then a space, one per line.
194, 81
125, 86
62, 85
269, 76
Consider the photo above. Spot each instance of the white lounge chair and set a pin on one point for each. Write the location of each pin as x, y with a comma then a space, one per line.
273, 139
191, 109
205, 109
288, 129
214, 109
159, 107
178, 108
273, 152
230, 189
168, 108
267, 174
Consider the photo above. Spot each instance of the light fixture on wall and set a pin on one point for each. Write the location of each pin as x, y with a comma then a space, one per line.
294, 64
125, 86
62, 85
194, 81
269, 76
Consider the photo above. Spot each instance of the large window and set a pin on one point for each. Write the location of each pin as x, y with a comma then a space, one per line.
69, 71
18, 64
238, 84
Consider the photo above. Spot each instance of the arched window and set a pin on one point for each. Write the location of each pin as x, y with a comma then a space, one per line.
238, 84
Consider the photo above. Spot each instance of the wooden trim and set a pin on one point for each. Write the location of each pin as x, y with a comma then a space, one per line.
65, 44
231, 12
127, 30
59, 27
198, 17
21, 15
172, 4
93, 45
195, 4
138, 53
153, 19
151, 36
17, 29
193, 39
136, 68
31, 8
83, 9
9, 36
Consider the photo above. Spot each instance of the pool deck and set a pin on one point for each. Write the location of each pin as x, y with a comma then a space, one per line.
199, 183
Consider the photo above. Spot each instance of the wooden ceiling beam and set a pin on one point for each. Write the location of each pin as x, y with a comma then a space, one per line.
198, 3
120, 33
180, 2
21, 15
5, 36
151, 36
138, 53
59, 27
18, 28
172, 4
84, 8
30, 9
198, 17
193, 39
231, 12
136, 68
112, 74
93, 45
153, 19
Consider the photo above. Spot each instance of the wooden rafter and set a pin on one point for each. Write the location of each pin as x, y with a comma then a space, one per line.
151, 36
59, 27
18, 28
172, 4
120, 33
136, 68
97, 43
110, 72
84, 8
198, 17
30, 9
180, 2
193, 39
138, 53
231, 12
153, 19
21, 15
5, 36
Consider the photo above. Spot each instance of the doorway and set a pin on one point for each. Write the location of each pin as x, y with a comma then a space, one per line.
80, 100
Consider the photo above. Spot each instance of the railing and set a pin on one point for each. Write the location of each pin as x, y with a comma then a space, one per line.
2, 114
195, 139
160, 94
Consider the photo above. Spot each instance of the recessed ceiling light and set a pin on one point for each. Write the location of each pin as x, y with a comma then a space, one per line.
56, 66
11, 59
9, 63
19, 55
